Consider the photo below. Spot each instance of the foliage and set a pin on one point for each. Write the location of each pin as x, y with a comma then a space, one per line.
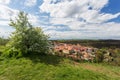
1, 49
99, 56
26, 39
116, 55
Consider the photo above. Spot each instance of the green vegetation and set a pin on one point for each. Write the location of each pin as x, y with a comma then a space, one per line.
26, 39
99, 56
116, 55
50, 67
3, 41
54, 68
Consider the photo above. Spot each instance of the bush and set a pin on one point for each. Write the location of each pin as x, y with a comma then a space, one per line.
99, 56
116, 57
12, 52
26, 39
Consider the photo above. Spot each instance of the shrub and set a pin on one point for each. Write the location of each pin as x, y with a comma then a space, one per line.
116, 57
26, 39
99, 56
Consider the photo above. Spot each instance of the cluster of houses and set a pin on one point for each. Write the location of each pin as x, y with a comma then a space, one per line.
76, 52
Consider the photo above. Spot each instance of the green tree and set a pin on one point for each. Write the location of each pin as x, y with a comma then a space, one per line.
26, 39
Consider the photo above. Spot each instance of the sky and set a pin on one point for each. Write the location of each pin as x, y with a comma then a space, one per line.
66, 19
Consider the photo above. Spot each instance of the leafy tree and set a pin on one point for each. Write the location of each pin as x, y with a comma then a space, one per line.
26, 39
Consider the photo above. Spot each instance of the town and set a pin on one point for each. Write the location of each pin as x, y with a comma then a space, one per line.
77, 52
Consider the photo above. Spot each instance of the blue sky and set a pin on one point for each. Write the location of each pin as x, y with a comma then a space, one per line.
66, 19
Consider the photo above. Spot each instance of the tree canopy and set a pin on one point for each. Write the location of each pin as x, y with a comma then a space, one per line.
26, 39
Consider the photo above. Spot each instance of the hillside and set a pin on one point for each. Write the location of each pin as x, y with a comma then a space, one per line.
54, 68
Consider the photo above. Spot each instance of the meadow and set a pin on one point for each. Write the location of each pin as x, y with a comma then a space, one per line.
55, 68
51, 67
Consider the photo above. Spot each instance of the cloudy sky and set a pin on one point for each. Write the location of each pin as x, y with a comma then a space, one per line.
66, 19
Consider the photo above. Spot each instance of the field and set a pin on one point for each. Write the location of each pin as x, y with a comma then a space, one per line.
50, 67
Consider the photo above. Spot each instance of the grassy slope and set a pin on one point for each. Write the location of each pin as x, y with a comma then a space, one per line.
54, 68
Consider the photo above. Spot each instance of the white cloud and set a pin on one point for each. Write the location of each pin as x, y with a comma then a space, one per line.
70, 7
93, 16
33, 19
5, 1
98, 4
5, 31
104, 31
7, 13
83, 17
4, 23
78, 9
74, 24
30, 3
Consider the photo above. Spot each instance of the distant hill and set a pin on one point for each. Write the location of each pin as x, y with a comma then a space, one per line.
94, 43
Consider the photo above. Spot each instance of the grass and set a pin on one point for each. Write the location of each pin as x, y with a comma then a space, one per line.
54, 68
2, 48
